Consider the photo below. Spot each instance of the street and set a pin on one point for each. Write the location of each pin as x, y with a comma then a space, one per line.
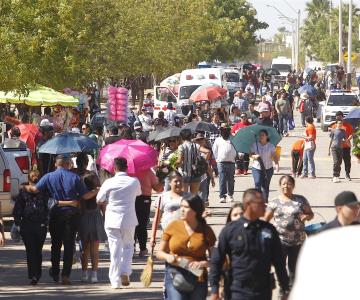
320, 193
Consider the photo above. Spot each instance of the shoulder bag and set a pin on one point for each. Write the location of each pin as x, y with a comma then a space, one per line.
309, 145
199, 164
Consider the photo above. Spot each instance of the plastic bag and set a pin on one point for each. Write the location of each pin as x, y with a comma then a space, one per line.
15, 233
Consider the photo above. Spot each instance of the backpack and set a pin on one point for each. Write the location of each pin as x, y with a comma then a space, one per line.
199, 164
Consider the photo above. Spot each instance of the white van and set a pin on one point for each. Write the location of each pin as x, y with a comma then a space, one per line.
283, 65
233, 81
190, 80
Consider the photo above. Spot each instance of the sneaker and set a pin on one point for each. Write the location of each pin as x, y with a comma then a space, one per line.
143, 253
312, 177
94, 278
231, 198
125, 280
347, 177
222, 200
303, 176
334, 180
85, 276
116, 286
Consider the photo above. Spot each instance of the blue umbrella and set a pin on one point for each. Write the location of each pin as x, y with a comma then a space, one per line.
68, 142
309, 89
247, 136
353, 117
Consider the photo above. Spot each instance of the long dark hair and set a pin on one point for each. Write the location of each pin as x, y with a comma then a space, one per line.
197, 205
237, 204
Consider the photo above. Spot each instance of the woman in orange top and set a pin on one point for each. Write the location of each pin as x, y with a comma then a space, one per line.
308, 158
184, 245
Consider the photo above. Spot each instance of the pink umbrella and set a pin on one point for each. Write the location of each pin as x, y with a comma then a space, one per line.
139, 156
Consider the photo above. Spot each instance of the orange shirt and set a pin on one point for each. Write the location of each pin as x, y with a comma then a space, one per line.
348, 130
298, 145
191, 247
311, 130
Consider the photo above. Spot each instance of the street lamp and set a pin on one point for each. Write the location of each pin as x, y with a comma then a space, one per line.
296, 22
348, 73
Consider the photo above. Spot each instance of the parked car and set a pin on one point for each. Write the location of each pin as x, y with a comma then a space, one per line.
337, 100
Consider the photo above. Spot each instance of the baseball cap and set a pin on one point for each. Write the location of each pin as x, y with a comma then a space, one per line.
263, 109
45, 123
346, 198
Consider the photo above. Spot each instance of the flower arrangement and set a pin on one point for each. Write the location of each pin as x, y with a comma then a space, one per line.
167, 166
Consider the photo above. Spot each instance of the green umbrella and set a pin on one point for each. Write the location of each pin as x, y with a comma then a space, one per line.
247, 136
39, 95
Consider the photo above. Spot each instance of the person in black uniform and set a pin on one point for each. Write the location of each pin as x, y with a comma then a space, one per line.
252, 246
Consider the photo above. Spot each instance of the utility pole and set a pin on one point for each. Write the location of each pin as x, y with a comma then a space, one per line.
348, 73
341, 59
297, 67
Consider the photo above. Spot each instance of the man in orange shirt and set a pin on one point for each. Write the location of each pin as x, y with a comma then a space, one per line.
347, 144
297, 151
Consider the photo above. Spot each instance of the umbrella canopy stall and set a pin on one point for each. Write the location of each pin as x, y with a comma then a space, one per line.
140, 156
247, 136
39, 96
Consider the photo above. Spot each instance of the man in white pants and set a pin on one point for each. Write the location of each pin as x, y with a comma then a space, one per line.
119, 192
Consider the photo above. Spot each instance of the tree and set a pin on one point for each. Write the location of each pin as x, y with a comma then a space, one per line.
316, 36
234, 25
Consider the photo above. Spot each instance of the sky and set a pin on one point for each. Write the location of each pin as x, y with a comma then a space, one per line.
271, 16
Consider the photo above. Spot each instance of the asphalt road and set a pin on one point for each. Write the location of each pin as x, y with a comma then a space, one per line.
320, 193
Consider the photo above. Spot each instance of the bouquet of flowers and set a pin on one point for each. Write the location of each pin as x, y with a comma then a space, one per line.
167, 166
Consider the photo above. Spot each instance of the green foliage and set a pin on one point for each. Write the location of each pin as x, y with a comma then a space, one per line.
316, 30
61, 43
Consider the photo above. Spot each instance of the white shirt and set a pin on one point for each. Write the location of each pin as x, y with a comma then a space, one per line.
120, 192
146, 122
169, 115
266, 153
328, 266
223, 150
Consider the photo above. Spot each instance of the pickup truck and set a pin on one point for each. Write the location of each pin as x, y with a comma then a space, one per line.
336, 100
15, 165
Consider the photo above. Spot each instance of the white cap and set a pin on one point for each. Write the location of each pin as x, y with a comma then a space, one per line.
75, 130
46, 122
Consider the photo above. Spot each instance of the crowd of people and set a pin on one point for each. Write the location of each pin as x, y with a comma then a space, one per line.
73, 198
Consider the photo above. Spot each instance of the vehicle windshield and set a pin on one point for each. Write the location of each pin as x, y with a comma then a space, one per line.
186, 91
232, 77
342, 100
282, 67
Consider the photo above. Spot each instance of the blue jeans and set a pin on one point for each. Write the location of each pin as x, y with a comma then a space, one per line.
260, 181
171, 293
283, 124
226, 178
308, 158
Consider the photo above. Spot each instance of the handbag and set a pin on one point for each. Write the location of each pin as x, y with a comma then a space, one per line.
199, 165
183, 280
309, 145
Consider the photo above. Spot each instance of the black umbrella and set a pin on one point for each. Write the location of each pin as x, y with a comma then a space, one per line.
201, 126
272, 72
168, 133
153, 134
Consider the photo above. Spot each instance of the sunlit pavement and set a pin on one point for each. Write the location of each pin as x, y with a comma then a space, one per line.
320, 192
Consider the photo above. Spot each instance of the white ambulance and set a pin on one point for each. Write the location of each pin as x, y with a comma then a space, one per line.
190, 80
